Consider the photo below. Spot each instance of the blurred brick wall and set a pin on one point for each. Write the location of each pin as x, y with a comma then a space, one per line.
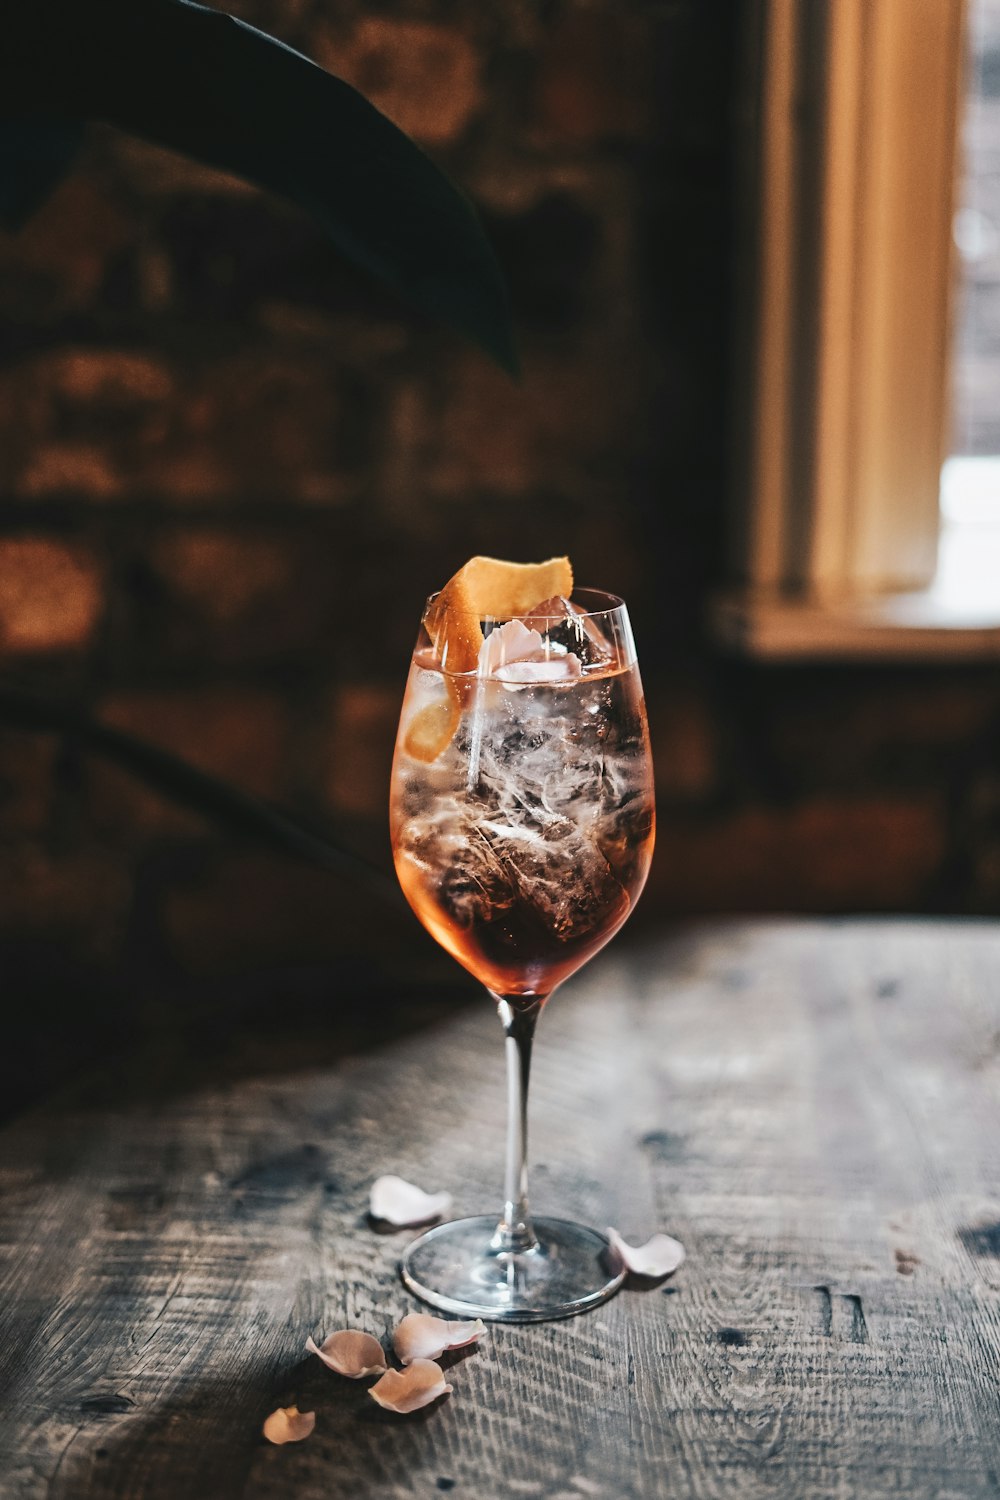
230, 470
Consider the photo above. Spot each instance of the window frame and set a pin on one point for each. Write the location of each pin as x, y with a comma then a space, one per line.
849, 149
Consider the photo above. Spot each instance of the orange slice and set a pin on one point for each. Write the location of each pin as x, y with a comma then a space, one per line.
431, 729
488, 587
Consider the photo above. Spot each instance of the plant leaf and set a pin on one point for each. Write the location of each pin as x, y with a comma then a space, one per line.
206, 84
35, 156
221, 803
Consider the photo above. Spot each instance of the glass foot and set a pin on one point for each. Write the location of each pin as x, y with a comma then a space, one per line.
454, 1267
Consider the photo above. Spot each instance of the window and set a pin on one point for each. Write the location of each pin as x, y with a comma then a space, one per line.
851, 117
968, 574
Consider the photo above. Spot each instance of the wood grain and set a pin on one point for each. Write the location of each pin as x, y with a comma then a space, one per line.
810, 1107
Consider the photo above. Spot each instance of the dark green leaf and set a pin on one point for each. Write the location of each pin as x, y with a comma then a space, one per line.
35, 155
226, 806
206, 84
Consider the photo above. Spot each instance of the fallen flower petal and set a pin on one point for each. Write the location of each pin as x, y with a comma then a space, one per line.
510, 642
419, 1336
657, 1258
350, 1353
289, 1425
401, 1203
408, 1390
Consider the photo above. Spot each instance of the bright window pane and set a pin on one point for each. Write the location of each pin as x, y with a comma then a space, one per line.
976, 419
969, 559
968, 572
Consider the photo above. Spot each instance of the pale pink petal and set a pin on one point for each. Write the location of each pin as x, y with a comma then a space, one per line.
419, 1336
658, 1257
410, 1389
289, 1425
401, 1203
515, 654
350, 1353
511, 642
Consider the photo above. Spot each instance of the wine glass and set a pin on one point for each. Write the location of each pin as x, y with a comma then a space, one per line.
522, 827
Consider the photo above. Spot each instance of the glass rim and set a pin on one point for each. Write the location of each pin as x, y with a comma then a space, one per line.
613, 604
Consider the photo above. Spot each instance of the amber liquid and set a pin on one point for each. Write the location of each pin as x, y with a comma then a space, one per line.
523, 845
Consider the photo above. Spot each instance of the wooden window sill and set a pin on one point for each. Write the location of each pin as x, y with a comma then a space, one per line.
912, 627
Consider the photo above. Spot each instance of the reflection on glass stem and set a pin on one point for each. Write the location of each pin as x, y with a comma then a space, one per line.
518, 1016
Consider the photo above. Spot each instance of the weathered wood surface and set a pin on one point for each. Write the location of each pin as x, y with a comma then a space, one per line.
811, 1108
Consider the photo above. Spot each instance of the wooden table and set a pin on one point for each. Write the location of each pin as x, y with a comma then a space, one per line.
810, 1107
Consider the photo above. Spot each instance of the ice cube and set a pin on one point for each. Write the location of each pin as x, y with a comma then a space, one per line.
527, 835
564, 876
565, 624
515, 654
546, 817
563, 668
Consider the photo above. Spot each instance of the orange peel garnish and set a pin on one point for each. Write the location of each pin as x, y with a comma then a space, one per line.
489, 588
431, 729
485, 588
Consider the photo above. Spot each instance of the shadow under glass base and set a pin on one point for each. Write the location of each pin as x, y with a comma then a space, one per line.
455, 1267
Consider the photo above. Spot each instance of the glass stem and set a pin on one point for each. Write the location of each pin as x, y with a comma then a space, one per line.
518, 1015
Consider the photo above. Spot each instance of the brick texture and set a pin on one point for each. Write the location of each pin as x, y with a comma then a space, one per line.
424, 75
238, 735
231, 469
51, 595
829, 854
113, 427
60, 263
27, 783
594, 78
363, 734
243, 909
77, 900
